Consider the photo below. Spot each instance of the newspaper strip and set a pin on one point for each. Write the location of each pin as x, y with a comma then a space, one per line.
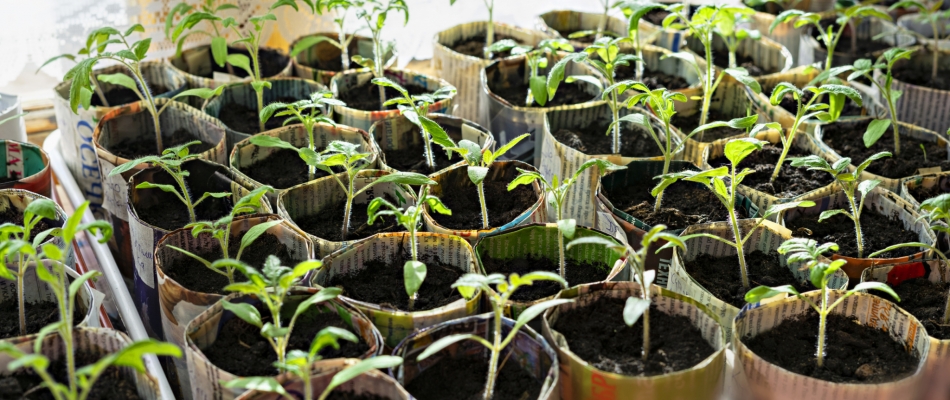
529, 350
206, 378
915, 23
810, 51
305, 62
195, 65
398, 133
562, 23
464, 71
456, 178
395, 324
373, 384
670, 39
879, 201
767, 238
582, 381
77, 129
767, 380
26, 166
364, 119
134, 120
772, 57
245, 154
654, 62
731, 100
35, 290
938, 181
921, 105
19, 199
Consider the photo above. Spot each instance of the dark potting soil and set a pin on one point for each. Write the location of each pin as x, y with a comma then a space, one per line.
920, 193
241, 350
598, 335
789, 104
282, 169
578, 273
173, 214
145, 145
864, 48
652, 78
366, 96
24, 384
567, 94
791, 181
854, 353
684, 204
328, 224
847, 139
879, 233
382, 283
464, 378
503, 206
411, 158
272, 63
686, 124
721, 276
242, 118
475, 46
587, 39
593, 139
923, 77
120, 96
656, 17
14, 216
337, 395
742, 60
925, 300
195, 276
38, 315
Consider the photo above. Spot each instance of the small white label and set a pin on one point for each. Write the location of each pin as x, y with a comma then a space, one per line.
116, 191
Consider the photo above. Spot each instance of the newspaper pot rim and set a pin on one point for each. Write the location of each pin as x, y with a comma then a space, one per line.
916, 181
489, 142
335, 88
436, 43
908, 21
866, 276
62, 88
196, 78
303, 70
520, 59
807, 38
31, 181
677, 137
323, 369
763, 41
315, 86
32, 196
578, 45
88, 299
927, 50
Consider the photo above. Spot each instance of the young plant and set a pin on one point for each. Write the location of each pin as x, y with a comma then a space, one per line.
635, 11
932, 15
499, 290
808, 252
730, 28
849, 183
490, 30
556, 192
171, 161
342, 8
478, 165
723, 182
374, 14
416, 110
191, 16
885, 63
828, 36
308, 112
539, 90
414, 271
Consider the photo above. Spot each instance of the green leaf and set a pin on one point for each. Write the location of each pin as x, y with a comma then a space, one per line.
271, 141
504, 149
162, 187
875, 130
532, 312
764, 292
141, 47
204, 93
244, 311
861, 167
742, 75
360, 368
739, 149
219, 50
324, 295
539, 89
241, 61
45, 208
414, 273
119, 79
881, 286
634, 309
436, 133
259, 383
256, 231
406, 178
310, 41
131, 355
830, 213
567, 227
271, 331
435, 204
477, 174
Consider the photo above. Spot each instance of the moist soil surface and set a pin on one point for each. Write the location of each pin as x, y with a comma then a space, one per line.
686, 124
14, 216
195, 276
173, 214
272, 63
328, 224
366, 96
23, 383
241, 350
335, 395
475, 46
742, 60
791, 105
567, 94
578, 273
411, 158
721, 276
242, 118
846, 138
464, 378
145, 145
864, 48
879, 233
382, 283
120, 96
282, 169
652, 78
656, 17
853, 353
791, 181
926, 301
684, 204
597, 334
503, 206
592, 139
920, 193
923, 77
38, 315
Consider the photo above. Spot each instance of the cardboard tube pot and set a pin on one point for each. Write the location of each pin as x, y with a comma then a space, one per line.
456, 178
767, 380
130, 123
344, 84
541, 241
202, 332
528, 349
670, 39
245, 155
77, 147
767, 238
397, 135
199, 70
18, 200
321, 62
654, 62
36, 290
10, 106
464, 70
314, 198
785, 34
562, 23
395, 324
25, 166
811, 51
373, 384
731, 99
879, 201
938, 182
583, 381
921, 105
769, 56
913, 23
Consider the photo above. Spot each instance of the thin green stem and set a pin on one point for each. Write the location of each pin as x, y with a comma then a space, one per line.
378, 54
490, 30
347, 210
936, 49
344, 48
822, 324
646, 326
21, 272
787, 143
481, 202
602, 24
311, 169
639, 62
98, 89
495, 353
150, 104
856, 217
710, 87
562, 262
736, 232
615, 140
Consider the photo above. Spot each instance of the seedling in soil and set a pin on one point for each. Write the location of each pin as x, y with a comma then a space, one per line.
478, 165
556, 192
784, 5
416, 109
342, 7
539, 90
374, 14
923, 149
637, 308
809, 253
171, 161
849, 182
220, 230
932, 15
414, 271
191, 16
490, 30
732, 32
723, 182
635, 11
499, 290
308, 112
601, 24
849, 16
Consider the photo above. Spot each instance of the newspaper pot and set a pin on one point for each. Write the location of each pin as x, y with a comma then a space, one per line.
395, 324
731, 99
310, 199
530, 351
810, 51
783, 34
11, 106
242, 95
939, 182
905, 130
562, 23
670, 39
880, 201
245, 154
35, 290
541, 241
771, 57
347, 81
456, 178
653, 61
19, 199
199, 70
398, 134
201, 332
767, 380
319, 62
179, 304
133, 122
921, 105
767, 238
95, 343
913, 23
464, 70
25, 166
938, 359
373, 384
582, 381
76, 146
508, 121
